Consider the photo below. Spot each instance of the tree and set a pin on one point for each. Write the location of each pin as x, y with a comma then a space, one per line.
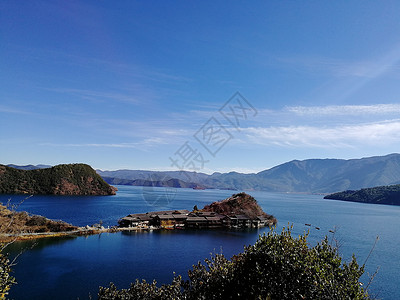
277, 266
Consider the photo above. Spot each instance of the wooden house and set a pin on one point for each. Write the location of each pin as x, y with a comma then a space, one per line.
196, 222
215, 221
135, 220
237, 221
171, 219
165, 221
261, 221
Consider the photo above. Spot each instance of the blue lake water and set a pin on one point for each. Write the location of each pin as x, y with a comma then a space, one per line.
68, 268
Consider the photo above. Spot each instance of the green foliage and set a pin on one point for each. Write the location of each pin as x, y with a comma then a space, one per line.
6, 280
144, 290
381, 195
277, 266
67, 179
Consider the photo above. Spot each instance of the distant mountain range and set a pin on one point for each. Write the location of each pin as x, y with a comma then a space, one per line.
298, 176
306, 176
172, 182
29, 167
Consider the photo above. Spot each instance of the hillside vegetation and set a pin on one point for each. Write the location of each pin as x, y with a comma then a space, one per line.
378, 195
277, 266
67, 179
14, 223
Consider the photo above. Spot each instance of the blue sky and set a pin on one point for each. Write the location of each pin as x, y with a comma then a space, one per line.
130, 84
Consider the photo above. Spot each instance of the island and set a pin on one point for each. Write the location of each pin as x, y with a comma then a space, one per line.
378, 195
238, 211
64, 179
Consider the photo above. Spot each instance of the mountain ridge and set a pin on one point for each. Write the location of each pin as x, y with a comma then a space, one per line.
171, 182
29, 167
323, 176
304, 176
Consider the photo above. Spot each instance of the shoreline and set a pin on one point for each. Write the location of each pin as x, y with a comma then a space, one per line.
83, 231
6, 238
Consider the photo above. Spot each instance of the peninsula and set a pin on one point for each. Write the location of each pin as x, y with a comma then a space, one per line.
378, 195
238, 211
65, 179
21, 225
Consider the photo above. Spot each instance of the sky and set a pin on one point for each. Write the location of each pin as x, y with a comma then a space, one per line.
207, 86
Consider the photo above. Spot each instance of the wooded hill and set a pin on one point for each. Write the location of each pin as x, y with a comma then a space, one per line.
66, 179
377, 195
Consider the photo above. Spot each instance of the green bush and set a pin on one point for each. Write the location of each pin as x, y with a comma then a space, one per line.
277, 266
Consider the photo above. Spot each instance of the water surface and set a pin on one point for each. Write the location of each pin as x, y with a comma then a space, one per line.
73, 267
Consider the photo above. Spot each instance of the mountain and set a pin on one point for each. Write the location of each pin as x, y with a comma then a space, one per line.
154, 175
172, 182
305, 176
29, 167
332, 175
377, 195
69, 179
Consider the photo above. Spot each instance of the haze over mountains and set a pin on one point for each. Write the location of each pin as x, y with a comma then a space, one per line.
29, 167
306, 176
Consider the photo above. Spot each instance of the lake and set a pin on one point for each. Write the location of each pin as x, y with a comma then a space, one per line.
72, 267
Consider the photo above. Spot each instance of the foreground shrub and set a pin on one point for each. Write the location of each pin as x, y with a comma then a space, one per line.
277, 266
6, 280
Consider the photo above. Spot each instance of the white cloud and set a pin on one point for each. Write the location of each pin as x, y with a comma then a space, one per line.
146, 143
345, 109
294, 126
11, 110
382, 133
367, 68
97, 95
111, 145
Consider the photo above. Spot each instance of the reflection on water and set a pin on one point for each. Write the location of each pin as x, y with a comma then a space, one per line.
38, 244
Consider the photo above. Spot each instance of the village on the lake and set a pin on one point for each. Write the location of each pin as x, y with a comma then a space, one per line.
181, 219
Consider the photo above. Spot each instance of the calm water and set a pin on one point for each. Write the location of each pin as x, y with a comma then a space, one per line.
73, 267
